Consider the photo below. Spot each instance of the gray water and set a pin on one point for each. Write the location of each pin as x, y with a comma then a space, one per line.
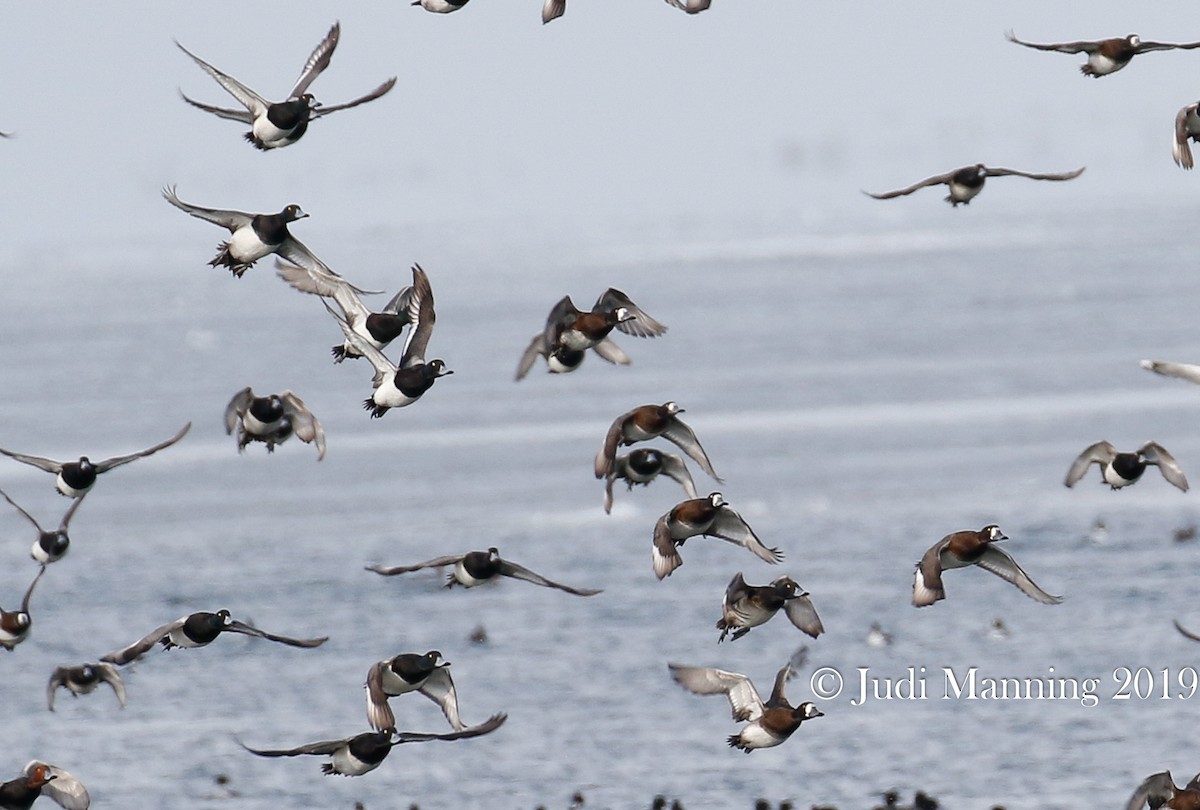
867, 377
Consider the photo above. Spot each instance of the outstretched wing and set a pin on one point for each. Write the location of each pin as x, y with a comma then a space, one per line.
729, 525
1061, 47
317, 279
140, 647
306, 426
674, 467
1186, 633
108, 673
1184, 371
553, 9
1098, 453
318, 60
1002, 565
47, 464
1157, 790
237, 407
117, 461
512, 569
802, 614
67, 791
436, 562
322, 747
684, 437
422, 317
234, 626
1144, 46
378, 360
536, 348
439, 687
936, 180
691, 6
231, 220
640, 324
29, 590
610, 351
486, 727
999, 171
743, 697
1156, 454
379, 712
28, 516
374, 94
664, 553
252, 101
608, 453
243, 116
1181, 149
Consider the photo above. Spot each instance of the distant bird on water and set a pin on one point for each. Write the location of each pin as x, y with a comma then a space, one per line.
476, 567
277, 124
74, 478
1119, 469
50, 546
363, 753
1105, 56
272, 420
967, 182
198, 630
965, 548
39, 779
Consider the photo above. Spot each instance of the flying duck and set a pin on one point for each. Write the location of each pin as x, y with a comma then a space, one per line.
277, 124
476, 567
410, 672
642, 466
397, 386
646, 422
771, 722
710, 517
363, 753
690, 6
960, 549
49, 546
198, 630
747, 606
271, 420
74, 478
1187, 128
553, 9
1160, 790
41, 778
569, 332
1122, 469
15, 625
967, 182
83, 680
1104, 56
377, 328
440, 6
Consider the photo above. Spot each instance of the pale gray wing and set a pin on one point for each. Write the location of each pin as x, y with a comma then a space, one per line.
237, 407
234, 626
535, 349
1184, 371
609, 480
1187, 634
937, 179
108, 673
436, 562
674, 467
318, 60
66, 519
1144, 46
231, 220
1156, 789
552, 10
486, 727
244, 116
1098, 453
927, 583
29, 591
608, 452
326, 109
379, 712
802, 614
297, 252
140, 647
1061, 47
684, 437
691, 6
117, 461
28, 516
322, 747
729, 525
306, 426
252, 101
998, 171
422, 317
439, 687
743, 697
59, 677
47, 464
611, 352
318, 279
640, 325
1002, 565
512, 569
400, 301
1181, 150
64, 789
1156, 454
378, 360
664, 553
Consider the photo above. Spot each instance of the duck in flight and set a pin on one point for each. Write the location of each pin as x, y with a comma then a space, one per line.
1104, 56
966, 183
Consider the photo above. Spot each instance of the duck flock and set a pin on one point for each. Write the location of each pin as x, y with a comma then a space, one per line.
389, 339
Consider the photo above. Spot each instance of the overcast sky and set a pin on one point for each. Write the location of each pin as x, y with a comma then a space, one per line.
759, 115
